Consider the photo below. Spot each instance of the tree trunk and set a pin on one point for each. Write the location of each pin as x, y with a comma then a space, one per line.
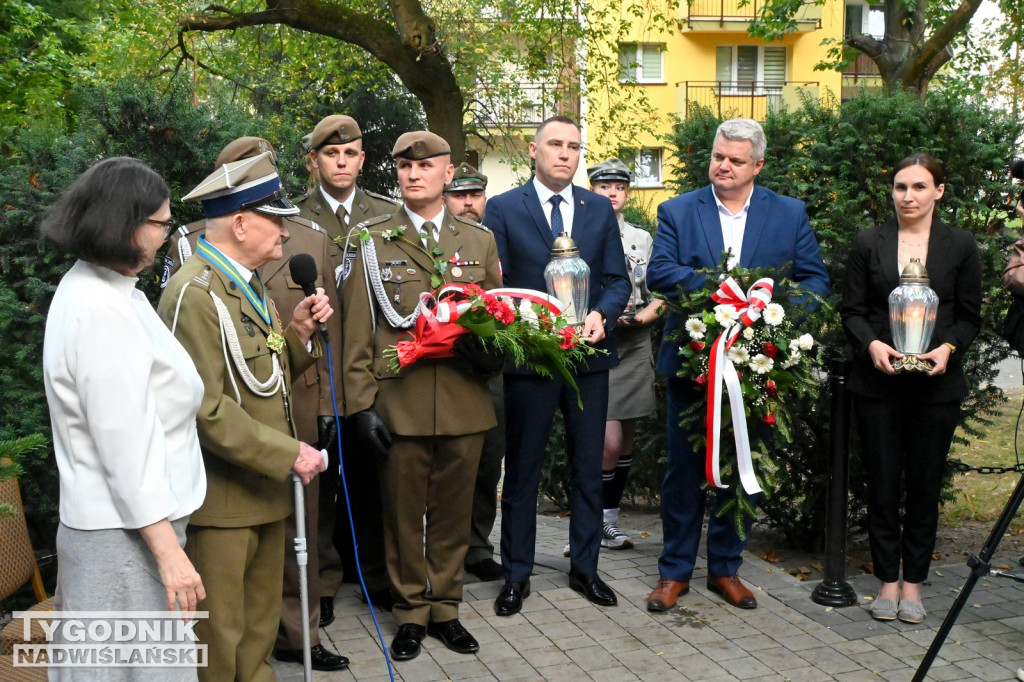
408, 46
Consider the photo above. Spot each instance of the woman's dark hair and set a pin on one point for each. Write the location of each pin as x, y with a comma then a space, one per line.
95, 218
922, 159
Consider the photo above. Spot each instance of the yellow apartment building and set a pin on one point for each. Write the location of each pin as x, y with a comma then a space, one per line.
709, 59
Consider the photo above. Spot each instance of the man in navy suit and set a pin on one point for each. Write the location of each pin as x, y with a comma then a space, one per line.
760, 229
525, 221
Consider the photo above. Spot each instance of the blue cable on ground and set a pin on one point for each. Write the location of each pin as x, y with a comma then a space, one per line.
351, 522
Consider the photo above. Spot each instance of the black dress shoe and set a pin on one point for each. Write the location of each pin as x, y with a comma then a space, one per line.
486, 569
406, 644
510, 600
593, 588
454, 636
321, 658
326, 611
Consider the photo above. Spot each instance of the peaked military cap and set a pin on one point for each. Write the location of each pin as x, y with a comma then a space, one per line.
247, 185
420, 144
335, 129
307, 143
245, 148
611, 170
466, 179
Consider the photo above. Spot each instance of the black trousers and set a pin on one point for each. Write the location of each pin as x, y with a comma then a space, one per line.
904, 445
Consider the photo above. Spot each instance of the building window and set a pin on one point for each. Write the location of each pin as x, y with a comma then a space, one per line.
641, 63
647, 167
863, 18
755, 69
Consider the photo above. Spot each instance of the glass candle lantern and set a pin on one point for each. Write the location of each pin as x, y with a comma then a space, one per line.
568, 279
912, 309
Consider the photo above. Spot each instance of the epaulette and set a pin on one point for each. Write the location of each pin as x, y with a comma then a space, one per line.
305, 195
369, 222
298, 220
186, 230
381, 197
467, 221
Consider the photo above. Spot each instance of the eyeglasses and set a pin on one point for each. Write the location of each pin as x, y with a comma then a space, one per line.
168, 225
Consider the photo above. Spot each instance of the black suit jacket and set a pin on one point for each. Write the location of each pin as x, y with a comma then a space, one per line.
524, 243
872, 272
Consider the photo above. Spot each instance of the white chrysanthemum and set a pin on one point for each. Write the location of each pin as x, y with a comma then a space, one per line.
794, 357
773, 314
726, 315
527, 313
748, 333
806, 342
739, 355
761, 363
696, 327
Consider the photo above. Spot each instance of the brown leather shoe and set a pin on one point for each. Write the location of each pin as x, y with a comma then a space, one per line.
665, 594
733, 591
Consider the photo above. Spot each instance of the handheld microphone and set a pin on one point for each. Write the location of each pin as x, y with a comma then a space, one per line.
303, 271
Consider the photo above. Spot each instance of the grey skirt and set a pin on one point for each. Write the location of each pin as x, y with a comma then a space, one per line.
112, 570
631, 383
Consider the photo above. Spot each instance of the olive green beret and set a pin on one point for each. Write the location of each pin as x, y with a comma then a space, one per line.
245, 148
466, 179
336, 129
420, 144
611, 170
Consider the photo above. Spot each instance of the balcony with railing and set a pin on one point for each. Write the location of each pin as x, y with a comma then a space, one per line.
735, 15
528, 104
747, 99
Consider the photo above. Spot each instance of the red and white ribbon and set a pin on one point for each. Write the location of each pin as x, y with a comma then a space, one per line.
721, 370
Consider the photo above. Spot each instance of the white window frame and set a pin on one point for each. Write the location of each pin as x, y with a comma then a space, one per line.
647, 181
872, 18
632, 71
734, 87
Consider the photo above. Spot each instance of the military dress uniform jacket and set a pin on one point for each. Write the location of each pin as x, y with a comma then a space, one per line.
428, 397
311, 393
365, 206
248, 448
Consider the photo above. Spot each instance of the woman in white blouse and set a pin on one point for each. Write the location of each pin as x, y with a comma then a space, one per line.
123, 396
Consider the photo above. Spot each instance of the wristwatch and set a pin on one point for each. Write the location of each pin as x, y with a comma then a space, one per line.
952, 348
604, 318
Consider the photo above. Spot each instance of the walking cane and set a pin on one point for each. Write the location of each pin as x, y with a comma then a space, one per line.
301, 558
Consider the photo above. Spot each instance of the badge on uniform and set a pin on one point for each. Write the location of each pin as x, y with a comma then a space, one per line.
247, 325
385, 275
168, 264
638, 272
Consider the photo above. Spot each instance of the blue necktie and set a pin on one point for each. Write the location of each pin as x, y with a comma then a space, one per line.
557, 226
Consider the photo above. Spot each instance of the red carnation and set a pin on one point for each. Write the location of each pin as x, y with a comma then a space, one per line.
697, 345
770, 387
770, 349
769, 419
701, 380
569, 339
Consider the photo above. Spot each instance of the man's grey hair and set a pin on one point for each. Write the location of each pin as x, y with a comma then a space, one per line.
737, 129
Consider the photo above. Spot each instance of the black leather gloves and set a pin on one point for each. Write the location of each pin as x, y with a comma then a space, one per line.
470, 349
372, 429
326, 433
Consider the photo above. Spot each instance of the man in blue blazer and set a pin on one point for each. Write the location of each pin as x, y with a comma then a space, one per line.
760, 229
524, 221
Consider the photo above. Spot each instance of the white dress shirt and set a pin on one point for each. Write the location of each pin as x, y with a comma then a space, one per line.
334, 203
566, 207
123, 396
733, 227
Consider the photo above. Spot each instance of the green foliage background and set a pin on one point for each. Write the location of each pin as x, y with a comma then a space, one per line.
838, 159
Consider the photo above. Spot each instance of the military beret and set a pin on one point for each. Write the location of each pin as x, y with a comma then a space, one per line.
466, 179
245, 148
420, 144
611, 170
247, 185
335, 129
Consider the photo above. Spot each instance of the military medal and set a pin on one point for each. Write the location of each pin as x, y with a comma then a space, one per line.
456, 271
275, 342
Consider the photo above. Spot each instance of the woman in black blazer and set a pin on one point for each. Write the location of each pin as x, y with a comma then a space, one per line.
906, 420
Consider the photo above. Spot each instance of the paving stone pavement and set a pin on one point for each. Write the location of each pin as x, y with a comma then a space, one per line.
559, 636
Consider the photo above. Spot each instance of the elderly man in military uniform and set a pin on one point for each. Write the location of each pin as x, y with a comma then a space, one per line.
217, 307
428, 420
334, 155
465, 196
312, 411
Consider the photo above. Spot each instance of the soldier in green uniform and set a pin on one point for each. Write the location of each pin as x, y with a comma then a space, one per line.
465, 196
427, 422
335, 156
312, 407
218, 309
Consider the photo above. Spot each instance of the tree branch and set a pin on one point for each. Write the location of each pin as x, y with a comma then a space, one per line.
930, 54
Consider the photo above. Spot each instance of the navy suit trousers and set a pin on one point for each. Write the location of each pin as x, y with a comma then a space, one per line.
530, 404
